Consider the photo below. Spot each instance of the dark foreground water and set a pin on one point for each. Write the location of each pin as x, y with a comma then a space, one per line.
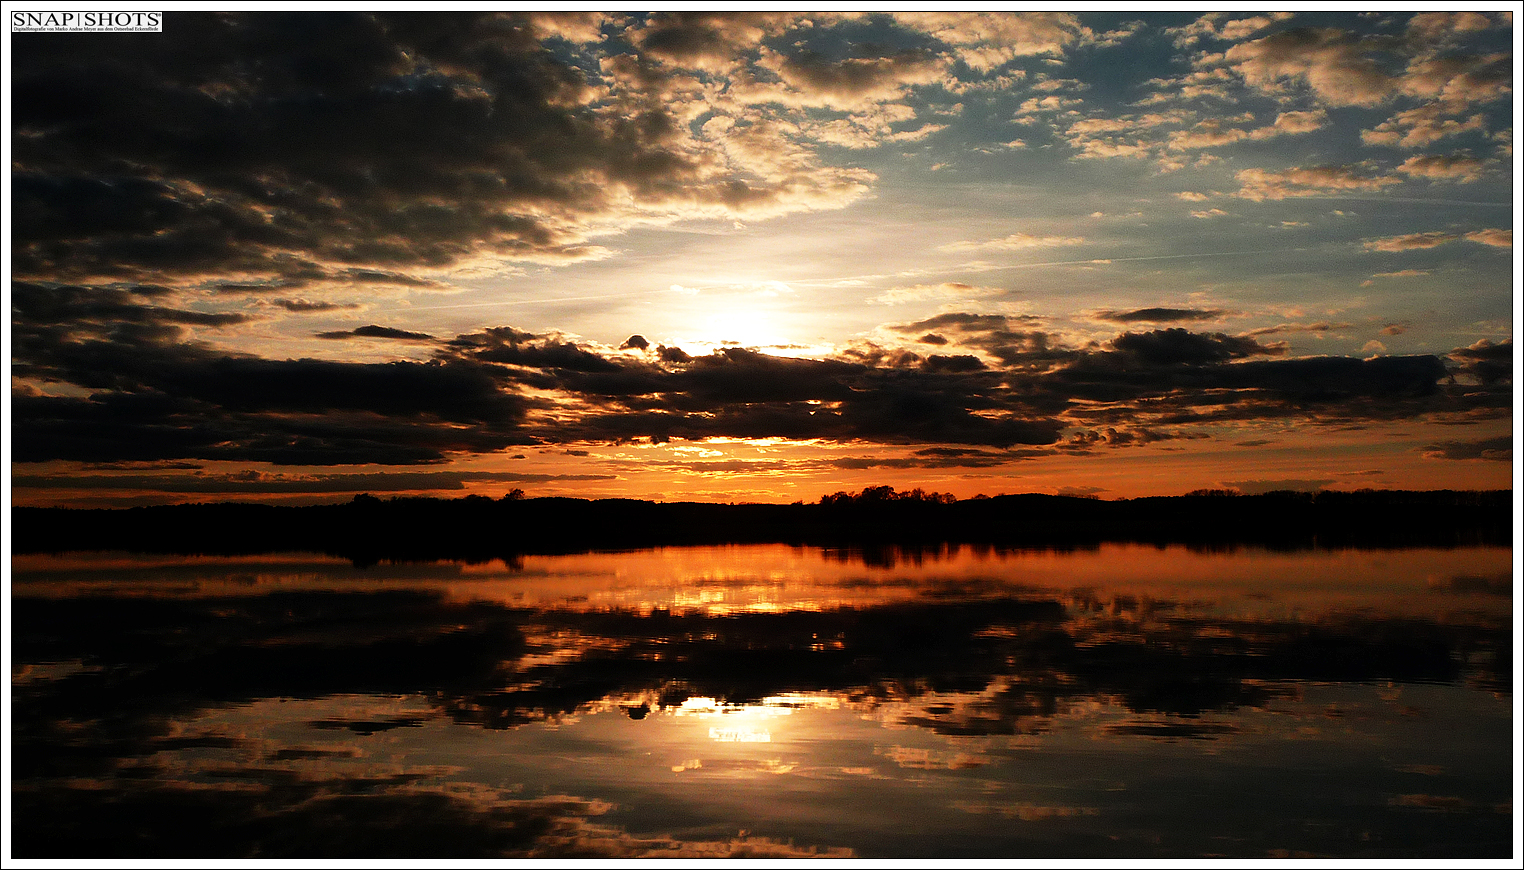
767, 701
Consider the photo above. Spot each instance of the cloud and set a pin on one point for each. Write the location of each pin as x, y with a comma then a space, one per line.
987, 40
1411, 242
1292, 124
1496, 238
1492, 449
1440, 26
1489, 363
711, 41
1456, 168
144, 387
181, 165
1333, 64
1014, 242
1207, 134
1160, 315
576, 27
1219, 26
1176, 345
1319, 326
947, 290
1036, 105
1210, 213
1421, 127
1456, 81
1294, 484
957, 363
373, 331
305, 306
1262, 184
260, 482
813, 79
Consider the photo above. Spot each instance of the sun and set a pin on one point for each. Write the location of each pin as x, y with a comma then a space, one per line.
747, 327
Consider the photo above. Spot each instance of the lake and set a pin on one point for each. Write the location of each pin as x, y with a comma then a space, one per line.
1121, 701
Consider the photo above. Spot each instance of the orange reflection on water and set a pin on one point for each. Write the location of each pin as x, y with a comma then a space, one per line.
1117, 580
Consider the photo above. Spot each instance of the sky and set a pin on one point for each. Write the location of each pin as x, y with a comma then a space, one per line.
760, 256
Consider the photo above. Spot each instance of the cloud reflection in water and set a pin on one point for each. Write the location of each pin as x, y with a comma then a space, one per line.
437, 711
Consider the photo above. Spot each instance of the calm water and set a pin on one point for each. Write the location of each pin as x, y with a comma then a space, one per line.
767, 701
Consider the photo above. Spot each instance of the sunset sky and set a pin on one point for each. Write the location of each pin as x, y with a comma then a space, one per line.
761, 256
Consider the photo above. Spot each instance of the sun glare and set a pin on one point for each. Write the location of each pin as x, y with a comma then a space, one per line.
744, 327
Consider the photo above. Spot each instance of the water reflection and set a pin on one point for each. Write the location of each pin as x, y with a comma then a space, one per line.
1120, 701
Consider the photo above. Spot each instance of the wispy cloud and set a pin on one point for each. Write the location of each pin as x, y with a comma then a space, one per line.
1015, 242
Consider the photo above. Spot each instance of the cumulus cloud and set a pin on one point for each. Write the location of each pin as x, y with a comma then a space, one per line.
1421, 127
987, 40
1457, 168
1333, 64
812, 79
1456, 81
1207, 134
1489, 363
1411, 241
710, 41
1496, 238
1222, 26
1292, 124
1262, 184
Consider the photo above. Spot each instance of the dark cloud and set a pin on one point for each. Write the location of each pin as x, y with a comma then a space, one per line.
1318, 327
147, 388
1180, 346
960, 363
260, 482
1495, 449
995, 334
855, 77
154, 393
1489, 362
713, 40
1256, 487
102, 309
303, 306
518, 348
1160, 315
248, 144
373, 331
672, 354
638, 342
